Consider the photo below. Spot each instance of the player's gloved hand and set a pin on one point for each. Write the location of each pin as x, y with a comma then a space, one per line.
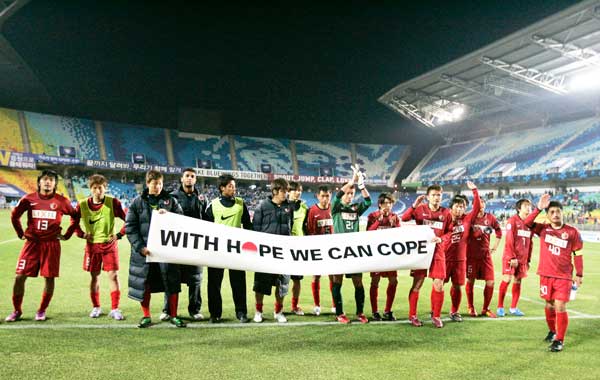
355, 172
361, 181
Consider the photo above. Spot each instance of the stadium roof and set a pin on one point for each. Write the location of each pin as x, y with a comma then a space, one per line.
525, 79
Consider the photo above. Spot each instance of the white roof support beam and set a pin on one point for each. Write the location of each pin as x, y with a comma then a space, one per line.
587, 56
411, 111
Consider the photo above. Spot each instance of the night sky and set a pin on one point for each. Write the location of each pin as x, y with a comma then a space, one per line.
299, 71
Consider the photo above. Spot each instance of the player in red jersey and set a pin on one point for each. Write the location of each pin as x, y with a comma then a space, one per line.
319, 222
516, 257
559, 246
41, 252
479, 259
378, 220
98, 213
433, 215
454, 245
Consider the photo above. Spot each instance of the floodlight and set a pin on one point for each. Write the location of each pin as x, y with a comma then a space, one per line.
586, 80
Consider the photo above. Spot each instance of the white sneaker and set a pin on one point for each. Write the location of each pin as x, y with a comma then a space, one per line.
164, 316
317, 310
96, 312
116, 314
298, 311
333, 310
258, 318
279, 317
197, 316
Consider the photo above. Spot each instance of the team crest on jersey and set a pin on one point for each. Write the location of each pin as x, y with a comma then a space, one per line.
564, 235
286, 209
354, 207
486, 222
53, 206
508, 227
441, 217
166, 202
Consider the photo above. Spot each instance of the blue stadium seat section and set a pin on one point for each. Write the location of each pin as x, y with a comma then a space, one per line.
48, 132
378, 160
313, 155
445, 157
122, 140
253, 151
202, 147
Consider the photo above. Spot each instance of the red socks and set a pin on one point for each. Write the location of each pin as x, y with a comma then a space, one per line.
259, 307
294, 303
562, 322
488, 292
413, 300
469, 291
502, 293
278, 307
173, 302
95, 297
146, 303
456, 296
17, 302
551, 319
115, 298
390, 295
45, 301
316, 292
373, 293
516, 293
437, 300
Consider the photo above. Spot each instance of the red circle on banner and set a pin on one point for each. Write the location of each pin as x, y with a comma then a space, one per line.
249, 246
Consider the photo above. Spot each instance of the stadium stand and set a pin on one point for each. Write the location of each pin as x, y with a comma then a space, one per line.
122, 140
445, 157
10, 133
26, 180
378, 160
204, 147
254, 151
312, 155
48, 132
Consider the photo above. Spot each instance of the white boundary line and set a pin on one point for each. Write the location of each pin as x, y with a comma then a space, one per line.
9, 241
167, 325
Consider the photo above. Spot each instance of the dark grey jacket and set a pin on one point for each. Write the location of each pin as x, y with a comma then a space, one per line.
193, 207
137, 225
273, 219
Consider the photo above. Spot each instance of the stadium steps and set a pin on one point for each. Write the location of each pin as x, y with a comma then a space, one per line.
496, 161
415, 174
553, 152
461, 158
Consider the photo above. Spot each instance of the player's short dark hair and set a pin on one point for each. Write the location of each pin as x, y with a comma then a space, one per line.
97, 179
520, 203
153, 175
224, 180
323, 188
383, 196
48, 173
554, 204
279, 184
434, 187
459, 198
295, 185
188, 170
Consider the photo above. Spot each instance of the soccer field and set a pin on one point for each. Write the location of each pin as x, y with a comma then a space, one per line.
72, 345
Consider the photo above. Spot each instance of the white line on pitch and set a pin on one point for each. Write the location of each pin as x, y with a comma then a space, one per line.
9, 240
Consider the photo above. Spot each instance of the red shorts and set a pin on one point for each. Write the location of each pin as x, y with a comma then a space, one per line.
418, 273
480, 269
456, 272
519, 272
437, 269
101, 256
385, 274
41, 257
555, 288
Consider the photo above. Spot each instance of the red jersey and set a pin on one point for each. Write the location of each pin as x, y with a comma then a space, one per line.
117, 209
319, 221
387, 221
44, 215
454, 241
556, 248
518, 240
423, 215
478, 247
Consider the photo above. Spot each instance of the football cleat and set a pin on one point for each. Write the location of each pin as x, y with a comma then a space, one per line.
556, 346
14, 316
96, 312
242, 317
116, 314
388, 316
40, 316
500, 312
362, 318
472, 312
437, 322
164, 316
516, 312
317, 310
550, 337
215, 320
377, 316
456, 317
298, 311
279, 317
342, 319
145, 322
488, 313
178, 322
197, 317
258, 317
414, 321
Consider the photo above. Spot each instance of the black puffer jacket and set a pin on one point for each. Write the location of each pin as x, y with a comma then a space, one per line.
137, 225
274, 219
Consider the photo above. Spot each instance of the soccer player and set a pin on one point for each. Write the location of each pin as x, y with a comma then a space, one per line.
377, 220
454, 245
298, 229
146, 278
431, 214
274, 215
516, 257
479, 259
98, 213
319, 222
346, 216
230, 211
559, 246
41, 251
192, 206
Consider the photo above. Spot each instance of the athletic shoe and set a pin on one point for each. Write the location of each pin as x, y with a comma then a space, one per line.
377, 316
516, 312
279, 317
164, 316
197, 317
389, 316
416, 322
342, 319
145, 322
488, 313
333, 310
116, 314
472, 312
215, 320
556, 346
362, 318
96, 312
178, 322
500, 312
242, 317
14, 316
456, 317
40, 316
298, 311
258, 317
317, 310
437, 322
550, 337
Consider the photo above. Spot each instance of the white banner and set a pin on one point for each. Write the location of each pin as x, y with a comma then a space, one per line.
179, 239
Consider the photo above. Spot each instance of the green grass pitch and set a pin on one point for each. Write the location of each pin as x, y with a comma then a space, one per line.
70, 345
